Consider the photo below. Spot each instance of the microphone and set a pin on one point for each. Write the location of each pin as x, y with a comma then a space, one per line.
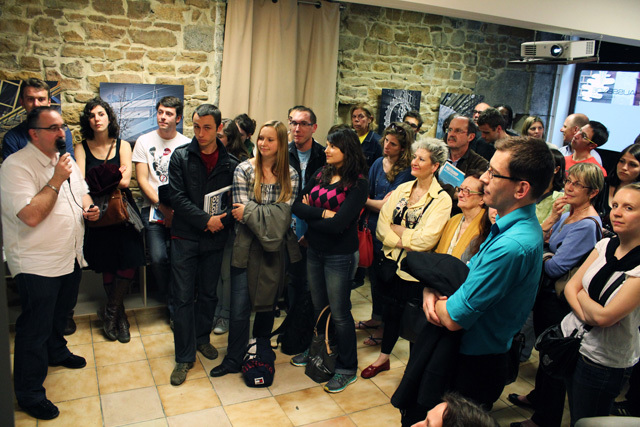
61, 145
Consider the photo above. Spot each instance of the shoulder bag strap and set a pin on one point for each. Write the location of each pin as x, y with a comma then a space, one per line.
109, 152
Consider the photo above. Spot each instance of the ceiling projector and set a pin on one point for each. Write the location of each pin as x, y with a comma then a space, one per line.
566, 50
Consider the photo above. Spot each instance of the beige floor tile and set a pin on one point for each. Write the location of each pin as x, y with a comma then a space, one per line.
506, 416
344, 421
361, 311
114, 352
159, 345
358, 298
192, 395
127, 407
21, 418
308, 406
124, 376
385, 415
84, 350
162, 367
71, 384
352, 398
364, 290
231, 389
264, 413
281, 357
528, 371
368, 355
80, 412
387, 381
361, 336
289, 378
401, 350
160, 422
207, 417
520, 386
207, 364
219, 341
12, 341
82, 335
153, 323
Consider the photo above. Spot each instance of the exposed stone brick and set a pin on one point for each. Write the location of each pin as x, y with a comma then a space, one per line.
189, 84
138, 9
153, 38
189, 69
103, 32
198, 38
130, 66
15, 26
65, 4
168, 26
108, 7
161, 69
192, 57
99, 67
30, 63
170, 13
126, 78
71, 36
160, 55
204, 4
382, 32
120, 22
73, 69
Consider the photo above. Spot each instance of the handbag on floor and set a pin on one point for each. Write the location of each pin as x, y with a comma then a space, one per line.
258, 366
322, 355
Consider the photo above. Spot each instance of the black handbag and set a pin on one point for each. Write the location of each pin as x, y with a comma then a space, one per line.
413, 320
558, 354
321, 364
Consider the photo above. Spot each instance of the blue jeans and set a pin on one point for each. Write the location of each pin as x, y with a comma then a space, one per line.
40, 327
240, 320
195, 278
330, 278
158, 238
592, 389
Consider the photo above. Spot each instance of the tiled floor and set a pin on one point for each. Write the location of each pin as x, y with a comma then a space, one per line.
128, 384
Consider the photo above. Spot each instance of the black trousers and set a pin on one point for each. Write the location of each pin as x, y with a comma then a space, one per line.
481, 378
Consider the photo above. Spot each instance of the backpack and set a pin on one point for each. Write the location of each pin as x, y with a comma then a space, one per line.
258, 366
294, 334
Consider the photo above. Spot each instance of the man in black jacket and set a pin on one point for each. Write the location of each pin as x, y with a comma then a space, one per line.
201, 167
306, 156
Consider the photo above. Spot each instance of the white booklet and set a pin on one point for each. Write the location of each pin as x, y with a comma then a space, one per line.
451, 175
155, 216
217, 202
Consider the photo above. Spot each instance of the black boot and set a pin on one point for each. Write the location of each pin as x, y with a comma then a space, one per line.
108, 314
71, 324
122, 324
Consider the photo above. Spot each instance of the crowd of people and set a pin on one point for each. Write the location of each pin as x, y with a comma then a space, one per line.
535, 236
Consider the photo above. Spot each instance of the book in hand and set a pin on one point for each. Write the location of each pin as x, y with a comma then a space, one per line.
217, 202
451, 175
155, 216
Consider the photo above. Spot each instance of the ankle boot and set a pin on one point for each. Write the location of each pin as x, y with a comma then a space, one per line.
123, 326
108, 314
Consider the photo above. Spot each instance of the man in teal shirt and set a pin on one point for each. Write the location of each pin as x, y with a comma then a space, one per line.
494, 301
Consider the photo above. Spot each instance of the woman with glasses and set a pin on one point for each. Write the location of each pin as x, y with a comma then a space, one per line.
362, 122
571, 236
412, 219
465, 232
385, 175
533, 127
627, 172
116, 251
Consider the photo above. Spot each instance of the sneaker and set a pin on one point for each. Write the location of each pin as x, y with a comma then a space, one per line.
43, 410
301, 359
179, 373
339, 382
208, 351
222, 326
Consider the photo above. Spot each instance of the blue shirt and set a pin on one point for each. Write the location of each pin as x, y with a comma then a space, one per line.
17, 138
495, 300
569, 243
379, 186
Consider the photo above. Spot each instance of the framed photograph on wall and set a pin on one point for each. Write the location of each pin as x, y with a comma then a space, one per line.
394, 104
135, 105
452, 103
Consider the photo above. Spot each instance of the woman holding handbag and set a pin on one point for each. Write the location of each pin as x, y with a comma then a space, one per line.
264, 187
385, 175
611, 348
412, 219
330, 203
571, 237
116, 250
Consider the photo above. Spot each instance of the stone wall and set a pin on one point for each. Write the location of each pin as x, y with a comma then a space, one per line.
82, 43
391, 49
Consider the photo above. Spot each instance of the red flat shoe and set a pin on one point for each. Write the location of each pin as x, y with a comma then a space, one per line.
371, 371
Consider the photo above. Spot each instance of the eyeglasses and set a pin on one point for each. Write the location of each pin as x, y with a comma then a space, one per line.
451, 130
399, 129
495, 175
467, 191
413, 125
575, 184
53, 128
586, 138
302, 124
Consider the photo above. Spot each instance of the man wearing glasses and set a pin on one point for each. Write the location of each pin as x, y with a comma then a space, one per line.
45, 201
413, 119
495, 299
306, 156
33, 93
587, 138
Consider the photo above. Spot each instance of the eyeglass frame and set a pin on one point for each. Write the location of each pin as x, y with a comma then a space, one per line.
575, 184
467, 191
53, 128
414, 126
584, 136
398, 129
293, 124
495, 175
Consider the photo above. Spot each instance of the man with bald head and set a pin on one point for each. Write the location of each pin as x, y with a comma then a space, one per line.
572, 124
477, 110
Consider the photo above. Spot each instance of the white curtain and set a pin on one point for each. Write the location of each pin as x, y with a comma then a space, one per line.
277, 55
